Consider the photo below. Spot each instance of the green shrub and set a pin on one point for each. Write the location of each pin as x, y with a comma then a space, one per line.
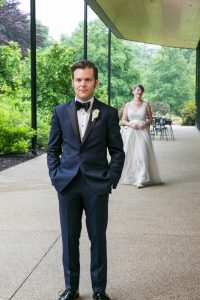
43, 132
15, 136
188, 113
160, 108
10, 68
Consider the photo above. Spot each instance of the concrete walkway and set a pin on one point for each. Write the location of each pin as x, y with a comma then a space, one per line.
153, 233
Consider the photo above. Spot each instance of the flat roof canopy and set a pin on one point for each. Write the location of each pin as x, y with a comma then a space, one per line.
173, 23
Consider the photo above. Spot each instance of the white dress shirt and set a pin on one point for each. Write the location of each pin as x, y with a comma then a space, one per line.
83, 117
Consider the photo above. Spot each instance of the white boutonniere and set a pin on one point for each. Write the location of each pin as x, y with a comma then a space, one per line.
95, 114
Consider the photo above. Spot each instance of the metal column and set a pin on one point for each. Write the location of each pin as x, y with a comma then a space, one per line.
33, 76
109, 66
198, 85
85, 30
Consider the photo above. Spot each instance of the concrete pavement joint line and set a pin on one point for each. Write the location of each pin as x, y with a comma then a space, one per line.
35, 267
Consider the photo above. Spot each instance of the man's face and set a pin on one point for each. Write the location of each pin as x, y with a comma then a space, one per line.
84, 83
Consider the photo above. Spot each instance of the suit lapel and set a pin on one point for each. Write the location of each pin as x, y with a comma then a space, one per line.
73, 118
91, 123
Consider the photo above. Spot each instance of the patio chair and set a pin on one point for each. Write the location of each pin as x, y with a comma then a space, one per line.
170, 132
159, 128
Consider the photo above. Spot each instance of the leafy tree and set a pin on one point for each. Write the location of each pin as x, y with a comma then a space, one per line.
169, 81
2, 2
15, 109
42, 35
123, 70
144, 57
187, 53
15, 26
15, 131
10, 78
160, 108
191, 76
53, 76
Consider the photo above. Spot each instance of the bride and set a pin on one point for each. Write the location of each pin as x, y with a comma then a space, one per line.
140, 167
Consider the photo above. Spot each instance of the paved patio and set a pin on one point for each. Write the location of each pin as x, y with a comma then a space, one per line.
153, 233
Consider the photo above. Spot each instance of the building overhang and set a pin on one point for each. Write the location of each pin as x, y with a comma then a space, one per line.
172, 23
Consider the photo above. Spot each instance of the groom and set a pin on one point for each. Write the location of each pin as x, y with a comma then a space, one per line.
82, 131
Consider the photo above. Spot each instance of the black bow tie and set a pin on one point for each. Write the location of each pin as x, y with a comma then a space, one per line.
85, 105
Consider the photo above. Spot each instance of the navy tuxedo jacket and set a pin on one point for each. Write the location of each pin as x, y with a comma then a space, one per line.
66, 153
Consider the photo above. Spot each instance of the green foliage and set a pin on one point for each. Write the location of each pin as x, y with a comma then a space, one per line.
101, 93
42, 35
171, 80
43, 128
15, 135
15, 26
123, 68
10, 78
2, 2
124, 73
15, 127
54, 76
188, 113
144, 58
168, 76
160, 108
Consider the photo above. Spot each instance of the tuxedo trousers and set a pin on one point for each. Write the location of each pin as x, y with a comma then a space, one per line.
75, 199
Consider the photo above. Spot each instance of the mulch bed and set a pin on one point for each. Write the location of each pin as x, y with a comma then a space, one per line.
10, 160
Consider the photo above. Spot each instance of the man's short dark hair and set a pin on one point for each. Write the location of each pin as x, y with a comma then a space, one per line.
83, 64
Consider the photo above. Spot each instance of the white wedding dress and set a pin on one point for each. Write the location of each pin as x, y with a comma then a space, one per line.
140, 166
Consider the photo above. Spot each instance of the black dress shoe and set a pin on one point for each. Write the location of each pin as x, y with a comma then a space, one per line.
101, 296
69, 295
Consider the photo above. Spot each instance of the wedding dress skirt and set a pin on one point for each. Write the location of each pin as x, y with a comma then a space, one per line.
140, 165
